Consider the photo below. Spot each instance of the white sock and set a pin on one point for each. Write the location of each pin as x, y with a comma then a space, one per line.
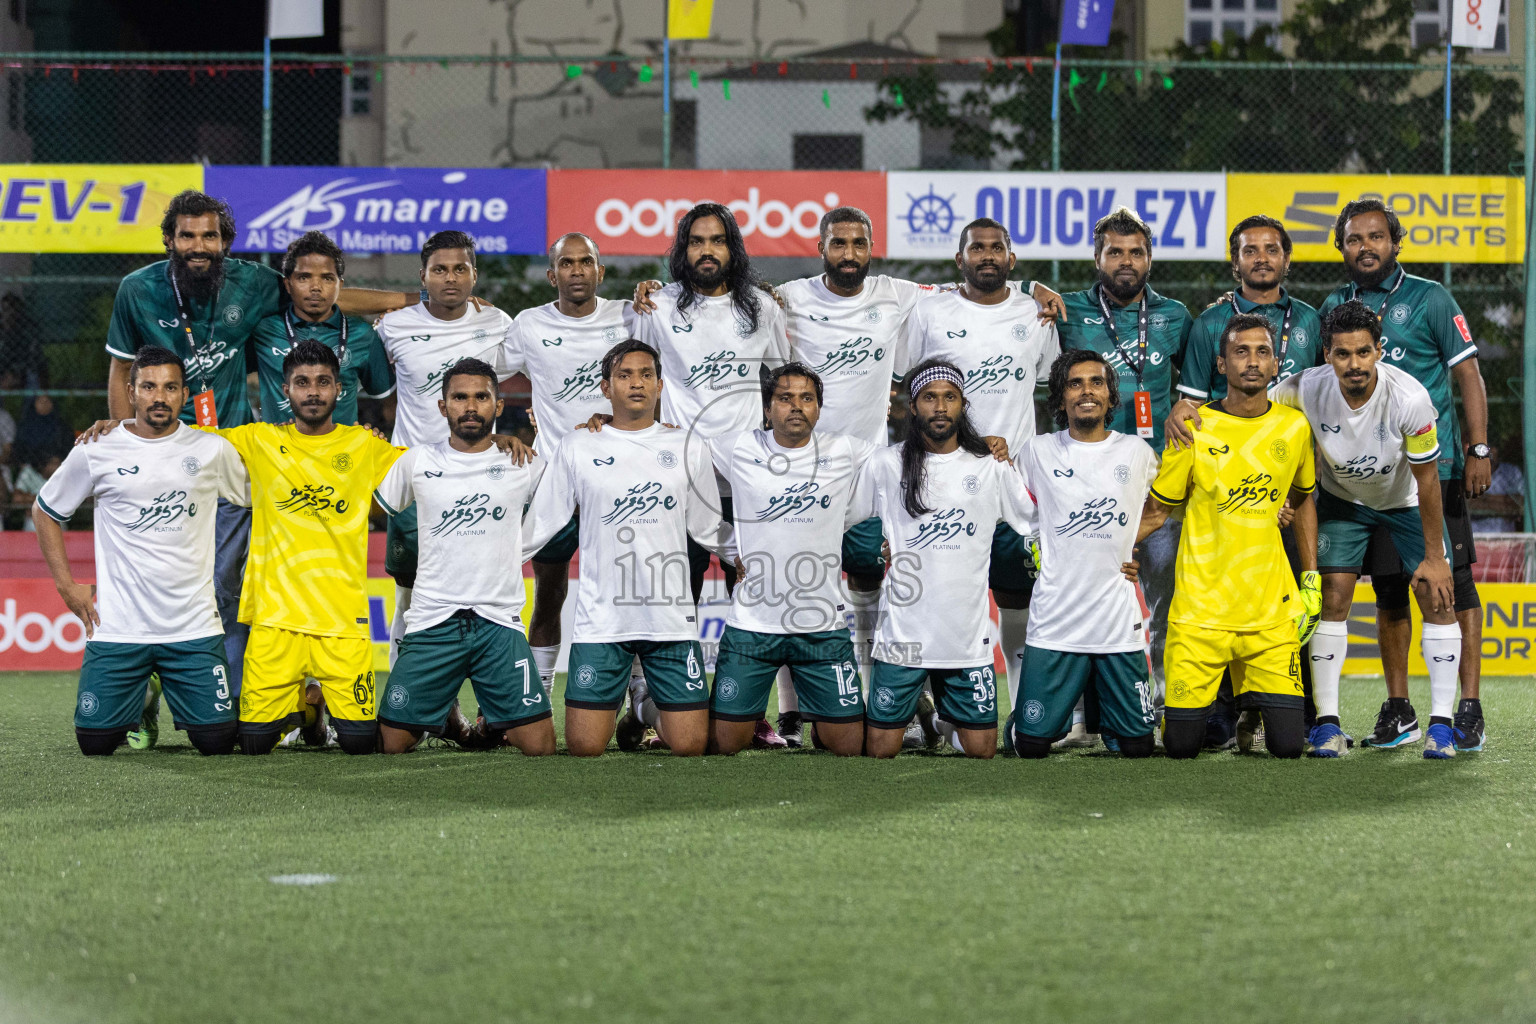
1442, 656
397, 624
648, 713
866, 609
789, 700
1329, 646
545, 659
1012, 624
1078, 715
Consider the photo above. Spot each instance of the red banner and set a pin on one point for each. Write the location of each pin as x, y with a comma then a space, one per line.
634, 213
36, 631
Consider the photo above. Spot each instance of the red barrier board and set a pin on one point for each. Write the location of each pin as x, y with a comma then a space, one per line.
635, 213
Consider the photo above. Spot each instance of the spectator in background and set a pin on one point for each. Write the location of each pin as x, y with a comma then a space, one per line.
21, 351
1501, 508
42, 435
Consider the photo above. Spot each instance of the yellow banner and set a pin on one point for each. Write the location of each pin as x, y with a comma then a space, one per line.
689, 19
1459, 219
1509, 632
88, 207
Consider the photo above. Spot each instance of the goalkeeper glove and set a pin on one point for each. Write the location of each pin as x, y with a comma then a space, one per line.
1032, 566
1311, 606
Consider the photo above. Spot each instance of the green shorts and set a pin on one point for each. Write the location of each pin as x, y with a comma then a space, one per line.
562, 545
821, 665
965, 696
400, 547
434, 663
674, 674
194, 677
1344, 530
862, 553
1010, 561
1054, 680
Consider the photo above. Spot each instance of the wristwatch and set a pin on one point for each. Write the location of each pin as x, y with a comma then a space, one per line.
1478, 451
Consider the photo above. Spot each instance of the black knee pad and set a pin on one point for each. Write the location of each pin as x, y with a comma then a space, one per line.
100, 742
356, 737
1391, 591
1137, 746
1285, 730
258, 739
1030, 746
213, 739
1184, 736
1466, 589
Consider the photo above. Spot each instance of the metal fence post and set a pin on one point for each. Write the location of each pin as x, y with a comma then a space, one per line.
266, 101
666, 86
1056, 145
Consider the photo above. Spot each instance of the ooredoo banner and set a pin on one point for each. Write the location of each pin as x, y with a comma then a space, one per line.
635, 213
1051, 215
37, 632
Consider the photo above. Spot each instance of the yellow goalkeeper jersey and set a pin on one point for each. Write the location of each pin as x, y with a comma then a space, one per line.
308, 566
1231, 571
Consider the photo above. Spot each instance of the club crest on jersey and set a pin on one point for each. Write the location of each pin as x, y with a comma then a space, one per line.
1020, 332
823, 461
610, 334
586, 676
743, 329
1033, 711
885, 699
496, 472
233, 315
1279, 450
1157, 322
126, 472
397, 698
341, 462
971, 484
88, 704
1122, 473
190, 466
725, 688
667, 458
1300, 336
1323, 544
1381, 432
1399, 314
873, 315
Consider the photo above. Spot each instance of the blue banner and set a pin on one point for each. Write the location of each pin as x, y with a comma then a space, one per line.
1086, 22
383, 209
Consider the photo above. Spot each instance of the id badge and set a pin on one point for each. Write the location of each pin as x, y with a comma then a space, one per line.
208, 416
1143, 414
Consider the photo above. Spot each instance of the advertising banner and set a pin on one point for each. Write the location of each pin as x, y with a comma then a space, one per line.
635, 213
383, 209
1051, 215
88, 207
1456, 219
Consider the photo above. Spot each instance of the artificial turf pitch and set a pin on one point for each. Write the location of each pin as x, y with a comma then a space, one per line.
765, 887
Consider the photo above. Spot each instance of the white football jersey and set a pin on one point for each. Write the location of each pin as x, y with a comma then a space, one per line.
791, 509
855, 344
156, 501
469, 511
1363, 453
1002, 350
423, 348
642, 494
1090, 498
563, 359
710, 366
933, 603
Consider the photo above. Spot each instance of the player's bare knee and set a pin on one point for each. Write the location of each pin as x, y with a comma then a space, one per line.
212, 740
397, 741
100, 742
978, 744
844, 741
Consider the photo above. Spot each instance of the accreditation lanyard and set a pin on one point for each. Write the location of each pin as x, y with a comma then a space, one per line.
1285, 328
203, 406
1143, 404
341, 346
1381, 310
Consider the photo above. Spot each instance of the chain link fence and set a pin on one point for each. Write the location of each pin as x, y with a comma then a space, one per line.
865, 112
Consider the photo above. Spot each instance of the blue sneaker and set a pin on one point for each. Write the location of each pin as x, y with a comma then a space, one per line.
1111, 743
1326, 740
1438, 742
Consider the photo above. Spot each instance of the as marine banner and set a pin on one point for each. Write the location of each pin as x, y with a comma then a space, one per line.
88, 207
1455, 219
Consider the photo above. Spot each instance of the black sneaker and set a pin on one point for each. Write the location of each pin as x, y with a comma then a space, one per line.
1220, 732
1396, 725
790, 726
1467, 727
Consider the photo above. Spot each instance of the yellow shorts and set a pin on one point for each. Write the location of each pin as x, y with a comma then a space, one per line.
1262, 661
277, 661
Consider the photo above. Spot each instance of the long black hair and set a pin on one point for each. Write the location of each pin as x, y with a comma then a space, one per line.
914, 462
741, 282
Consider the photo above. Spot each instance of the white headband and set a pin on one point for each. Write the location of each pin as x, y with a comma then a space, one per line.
934, 373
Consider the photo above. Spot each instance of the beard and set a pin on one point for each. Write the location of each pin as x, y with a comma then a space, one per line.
200, 285
1371, 278
938, 435
846, 276
471, 433
985, 279
313, 415
706, 279
1123, 293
